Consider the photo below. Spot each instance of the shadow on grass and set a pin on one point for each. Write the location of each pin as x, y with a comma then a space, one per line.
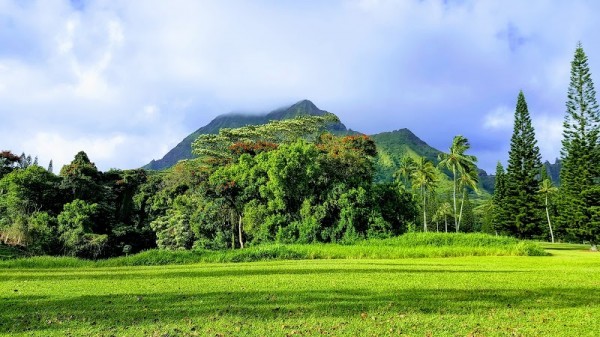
91, 274
36, 313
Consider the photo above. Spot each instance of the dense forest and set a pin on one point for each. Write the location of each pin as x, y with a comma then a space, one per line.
304, 178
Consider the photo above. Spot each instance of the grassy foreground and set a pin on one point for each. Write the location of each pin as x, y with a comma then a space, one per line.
554, 295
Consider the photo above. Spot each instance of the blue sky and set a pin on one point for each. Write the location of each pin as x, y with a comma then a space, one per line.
125, 81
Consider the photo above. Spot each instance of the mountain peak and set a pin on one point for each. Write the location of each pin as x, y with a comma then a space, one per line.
306, 104
183, 150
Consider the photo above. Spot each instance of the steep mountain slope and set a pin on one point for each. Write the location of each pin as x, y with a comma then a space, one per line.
392, 146
554, 171
183, 150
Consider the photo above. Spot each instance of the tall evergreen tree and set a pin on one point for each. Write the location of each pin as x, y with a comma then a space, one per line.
522, 207
580, 154
498, 200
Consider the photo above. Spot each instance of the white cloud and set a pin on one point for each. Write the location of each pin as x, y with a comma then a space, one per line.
548, 131
149, 114
107, 151
154, 71
501, 117
62, 149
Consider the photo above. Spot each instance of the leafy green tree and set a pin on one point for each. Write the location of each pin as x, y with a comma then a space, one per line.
223, 147
406, 168
424, 179
30, 190
82, 179
127, 223
237, 184
174, 229
42, 234
396, 207
486, 211
23, 194
522, 205
459, 163
580, 152
75, 224
348, 159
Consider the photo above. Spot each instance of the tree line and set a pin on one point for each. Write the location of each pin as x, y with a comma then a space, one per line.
291, 181
525, 202
285, 181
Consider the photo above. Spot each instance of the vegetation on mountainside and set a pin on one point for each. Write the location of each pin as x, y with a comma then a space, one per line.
183, 150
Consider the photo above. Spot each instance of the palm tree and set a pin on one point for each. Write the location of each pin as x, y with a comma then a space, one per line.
444, 210
457, 161
546, 189
406, 168
467, 179
424, 178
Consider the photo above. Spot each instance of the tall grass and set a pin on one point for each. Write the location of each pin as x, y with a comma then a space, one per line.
412, 245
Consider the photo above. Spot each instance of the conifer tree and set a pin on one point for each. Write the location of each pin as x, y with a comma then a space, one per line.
522, 205
498, 199
580, 154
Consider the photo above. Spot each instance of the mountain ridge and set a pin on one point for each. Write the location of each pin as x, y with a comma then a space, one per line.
391, 145
183, 150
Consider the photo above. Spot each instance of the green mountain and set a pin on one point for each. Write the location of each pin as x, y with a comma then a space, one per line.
183, 150
553, 171
392, 146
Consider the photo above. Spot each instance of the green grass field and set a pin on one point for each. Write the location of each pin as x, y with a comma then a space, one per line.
557, 295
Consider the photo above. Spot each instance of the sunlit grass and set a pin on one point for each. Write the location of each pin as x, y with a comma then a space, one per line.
459, 296
414, 245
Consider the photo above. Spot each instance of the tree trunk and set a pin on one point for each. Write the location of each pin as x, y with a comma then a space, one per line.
446, 223
548, 216
424, 212
454, 196
461, 209
232, 222
240, 232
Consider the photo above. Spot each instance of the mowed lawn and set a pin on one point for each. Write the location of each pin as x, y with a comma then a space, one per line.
556, 295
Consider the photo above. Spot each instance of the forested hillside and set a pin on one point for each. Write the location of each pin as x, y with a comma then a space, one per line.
391, 146
183, 150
